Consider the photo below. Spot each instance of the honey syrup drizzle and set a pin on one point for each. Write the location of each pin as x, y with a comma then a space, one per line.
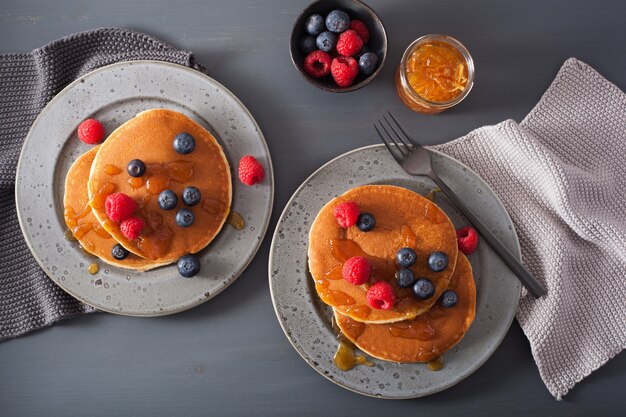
435, 364
420, 329
112, 170
93, 268
431, 194
345, 358
73, 220
159, 176
235, 220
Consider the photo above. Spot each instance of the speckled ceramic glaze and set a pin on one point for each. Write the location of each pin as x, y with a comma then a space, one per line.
113, 95
307, 321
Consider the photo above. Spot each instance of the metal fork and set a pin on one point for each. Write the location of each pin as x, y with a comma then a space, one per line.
415, 160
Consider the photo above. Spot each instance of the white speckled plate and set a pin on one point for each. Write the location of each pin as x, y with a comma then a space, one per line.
306, 320
114, 94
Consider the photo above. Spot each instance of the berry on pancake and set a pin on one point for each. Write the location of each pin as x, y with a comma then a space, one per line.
406, 257
381, 296
167, 200
119, 252
365, 222
449, 299
405, 277
184, 143
437, 261
119, 206
423, 289
184, 217
356, 270
136, 168
131, 228
347, 214
191, 195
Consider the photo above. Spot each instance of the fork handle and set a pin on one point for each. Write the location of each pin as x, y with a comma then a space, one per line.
533, 286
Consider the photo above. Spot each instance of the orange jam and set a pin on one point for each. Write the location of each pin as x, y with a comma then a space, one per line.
436, 72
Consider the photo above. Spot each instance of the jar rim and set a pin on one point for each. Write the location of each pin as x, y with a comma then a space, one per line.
458, 46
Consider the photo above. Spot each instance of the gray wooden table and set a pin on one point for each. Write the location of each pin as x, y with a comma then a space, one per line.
229, 357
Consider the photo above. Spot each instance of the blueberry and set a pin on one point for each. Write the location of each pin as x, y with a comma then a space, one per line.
448, 299
307, 44
167, 199
191, 196
184, 217
326, 41
368, 62
405, 277
365, 222
423, 289
314, 24
184, 143
437, 261
406, 257
119, 252
337, 21
188, 265
136, 168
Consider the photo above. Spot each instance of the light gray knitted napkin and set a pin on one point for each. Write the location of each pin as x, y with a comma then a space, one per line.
561, 174
28, 298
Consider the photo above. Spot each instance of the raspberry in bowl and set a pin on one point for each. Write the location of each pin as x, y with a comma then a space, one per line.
338, 45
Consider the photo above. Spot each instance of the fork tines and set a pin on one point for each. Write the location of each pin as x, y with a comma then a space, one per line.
395, 138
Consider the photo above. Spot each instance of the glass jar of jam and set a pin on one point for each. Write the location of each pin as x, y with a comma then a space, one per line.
436, 72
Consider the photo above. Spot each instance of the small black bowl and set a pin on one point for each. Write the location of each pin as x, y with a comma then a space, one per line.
356, 10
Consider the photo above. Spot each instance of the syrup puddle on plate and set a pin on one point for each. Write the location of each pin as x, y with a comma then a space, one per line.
346, 358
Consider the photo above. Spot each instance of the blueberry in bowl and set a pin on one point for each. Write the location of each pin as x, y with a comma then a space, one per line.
345, 32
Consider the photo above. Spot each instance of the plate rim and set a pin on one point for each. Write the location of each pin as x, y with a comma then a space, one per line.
196, 301
517, 252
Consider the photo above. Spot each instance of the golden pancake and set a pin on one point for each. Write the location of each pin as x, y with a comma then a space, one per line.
149, 137
403, 219
82, 222
425, 337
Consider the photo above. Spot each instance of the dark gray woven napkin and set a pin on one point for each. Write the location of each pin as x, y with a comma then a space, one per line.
28, 298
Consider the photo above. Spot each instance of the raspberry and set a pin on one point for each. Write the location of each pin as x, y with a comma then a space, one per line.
347, 214
344, 70
132, 227
349, 43
381, 296
361, 29
91, 131
317, 64
119, 206
356, 270
250, 170
467, 239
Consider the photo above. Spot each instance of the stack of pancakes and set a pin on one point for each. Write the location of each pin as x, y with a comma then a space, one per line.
102, 171
412, 330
